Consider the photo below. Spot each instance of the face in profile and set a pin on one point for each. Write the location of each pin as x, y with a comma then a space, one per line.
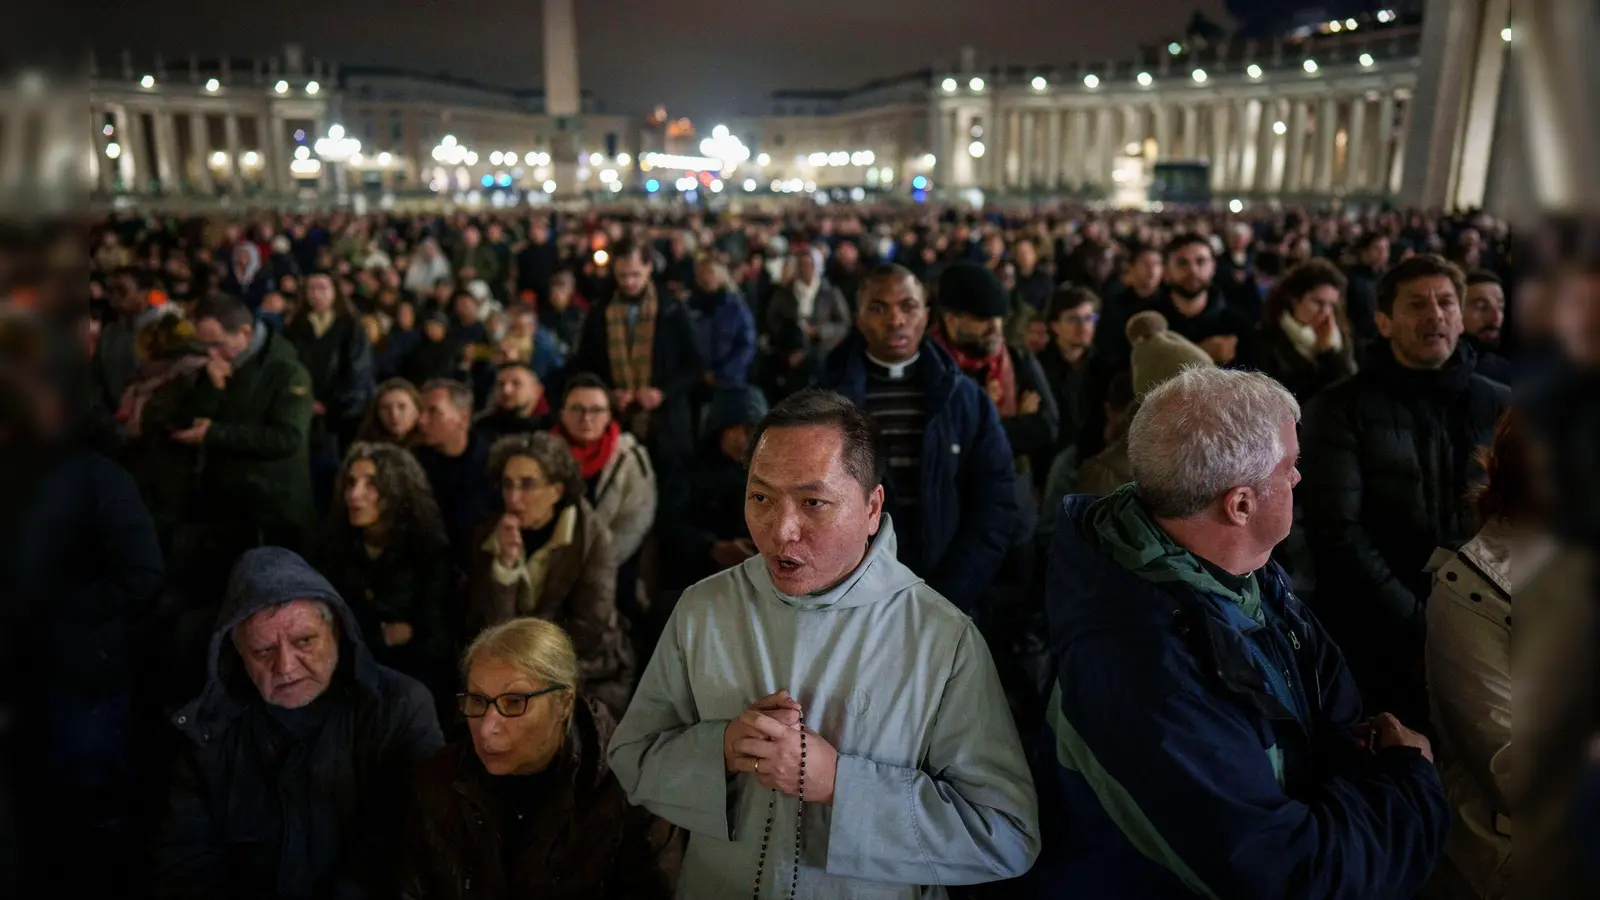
362, 499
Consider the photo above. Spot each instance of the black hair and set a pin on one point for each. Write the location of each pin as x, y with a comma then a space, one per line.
1426, 265
1482, 276
864, 458
627, 246
230, 312
584, 380
1069, 297
1186, 239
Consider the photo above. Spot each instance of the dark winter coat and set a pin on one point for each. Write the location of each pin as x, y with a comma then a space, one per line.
259, 812
725, 335
584, 841
1033, 436
343, 375
411, 584
675, 368
1361, 302
1218, 318
1080, 393
968, 506
255, 467
579, 593
1273, 353
1387, 458
1189, 767
463, 489
706, 505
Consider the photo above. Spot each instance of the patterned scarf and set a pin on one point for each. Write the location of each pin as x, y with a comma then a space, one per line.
630, 364
994, 372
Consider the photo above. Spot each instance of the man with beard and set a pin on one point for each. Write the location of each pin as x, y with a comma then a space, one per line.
1194, 307
1141, 281
950, 484
972, 307
518, 399
644, 348
1481, 320
1390, 456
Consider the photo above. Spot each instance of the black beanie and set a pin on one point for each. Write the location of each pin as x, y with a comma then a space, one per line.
967, 287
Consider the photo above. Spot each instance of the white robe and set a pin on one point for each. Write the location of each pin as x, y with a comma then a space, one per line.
932, 787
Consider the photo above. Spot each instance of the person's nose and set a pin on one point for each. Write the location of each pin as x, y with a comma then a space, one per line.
284, 660
1497, 316
789, 526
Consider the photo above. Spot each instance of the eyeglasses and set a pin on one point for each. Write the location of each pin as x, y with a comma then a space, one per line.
522, 484
476, 706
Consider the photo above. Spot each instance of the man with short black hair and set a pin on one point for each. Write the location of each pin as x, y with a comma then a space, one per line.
456, 460
1361, 296
1194, 307
1141, 282
251, 414
644, 347
1483, 315
951, 483
823, 672
1390, 455
518, 397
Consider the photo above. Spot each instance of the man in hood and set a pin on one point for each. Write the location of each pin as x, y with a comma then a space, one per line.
1211, 742
819, 719
300, 748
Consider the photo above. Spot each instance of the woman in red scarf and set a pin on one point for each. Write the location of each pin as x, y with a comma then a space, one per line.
617, 470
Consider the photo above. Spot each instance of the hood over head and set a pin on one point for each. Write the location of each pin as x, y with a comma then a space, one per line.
735, 405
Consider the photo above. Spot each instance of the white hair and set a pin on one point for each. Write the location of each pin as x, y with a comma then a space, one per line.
1204, 432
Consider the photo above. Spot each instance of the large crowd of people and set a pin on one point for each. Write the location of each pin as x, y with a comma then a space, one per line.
860, 553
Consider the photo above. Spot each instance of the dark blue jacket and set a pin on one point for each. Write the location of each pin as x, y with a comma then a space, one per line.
1173, 739
969, 511
261, 810
725, 335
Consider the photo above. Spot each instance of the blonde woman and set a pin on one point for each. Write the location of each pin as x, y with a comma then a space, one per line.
527, 806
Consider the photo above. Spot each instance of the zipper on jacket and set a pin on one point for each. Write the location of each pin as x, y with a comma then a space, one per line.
1294, 640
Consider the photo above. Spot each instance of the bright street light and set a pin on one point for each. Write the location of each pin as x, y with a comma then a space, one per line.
281, 87
1505, 34
312, 87
976, 148
763, 159
1039, 83
1091, 81
219, 159
720, 132
212, 84
1199, 76
113, 150
949, 85
147, 82
549, 187
1236, 205
1366, 60
596, 159
1279, 127
1253, 70
623, 159
976, 83
251, 158
1146, 79
749, 185
1310, 66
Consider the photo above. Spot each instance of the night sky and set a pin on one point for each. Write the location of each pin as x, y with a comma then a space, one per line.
704, 59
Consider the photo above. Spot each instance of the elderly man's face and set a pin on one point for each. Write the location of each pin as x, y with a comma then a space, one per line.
290, 652
808, 516
440, 421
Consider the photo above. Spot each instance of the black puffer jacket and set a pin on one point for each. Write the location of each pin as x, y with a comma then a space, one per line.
262, 810
1387, 458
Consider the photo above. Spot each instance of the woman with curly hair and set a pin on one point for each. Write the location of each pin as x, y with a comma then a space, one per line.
392, 414
549, 557
1304, 338
384, 549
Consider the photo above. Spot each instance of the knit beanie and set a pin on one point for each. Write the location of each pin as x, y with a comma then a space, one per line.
966, 287
1158, 354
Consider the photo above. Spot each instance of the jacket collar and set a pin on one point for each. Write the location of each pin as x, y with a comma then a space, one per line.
846, 368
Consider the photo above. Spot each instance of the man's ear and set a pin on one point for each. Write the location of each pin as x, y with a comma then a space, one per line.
875, 508
1385, 324
1239, 504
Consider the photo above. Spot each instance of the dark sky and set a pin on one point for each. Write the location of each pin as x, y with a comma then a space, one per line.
701, 58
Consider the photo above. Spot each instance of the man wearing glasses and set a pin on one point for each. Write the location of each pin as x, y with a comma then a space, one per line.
1075, 368
299, 749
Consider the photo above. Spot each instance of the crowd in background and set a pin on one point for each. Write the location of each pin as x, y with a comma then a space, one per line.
453, 423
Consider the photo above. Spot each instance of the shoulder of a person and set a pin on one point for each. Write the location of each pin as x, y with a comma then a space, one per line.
1487, 388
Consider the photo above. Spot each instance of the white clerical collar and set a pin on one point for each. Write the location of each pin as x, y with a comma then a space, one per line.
896, 370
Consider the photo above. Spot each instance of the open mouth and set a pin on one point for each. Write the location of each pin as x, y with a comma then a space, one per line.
787, 565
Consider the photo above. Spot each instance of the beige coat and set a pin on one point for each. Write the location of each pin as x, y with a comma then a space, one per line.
1469, 679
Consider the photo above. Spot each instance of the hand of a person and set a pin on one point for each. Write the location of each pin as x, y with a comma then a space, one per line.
727, 554
195, 434
997, 392
218, 370
774, 759
1325, 331
650, 398
1388, 732
509, 533
1029, 404
1221, 347
396, 634
777, 708
621, 398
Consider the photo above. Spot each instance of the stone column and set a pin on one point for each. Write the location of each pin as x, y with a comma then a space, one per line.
1191, 132
1266, 146
1052, 168
1327, 129
939, 135
1383, 155
1107, 141
230, 132
274, 161
105, 169
1355, 147
166, 167
1294, 158
1221, 128
1077, 148
1240, 145
200, 150
1028, 155
1455, 102
138, 157
1163, 117
1397, 179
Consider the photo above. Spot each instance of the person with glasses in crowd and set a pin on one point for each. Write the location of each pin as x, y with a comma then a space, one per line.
527, 805
549, 556
1076, 369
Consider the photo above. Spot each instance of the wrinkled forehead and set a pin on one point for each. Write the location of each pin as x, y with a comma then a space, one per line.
296, 617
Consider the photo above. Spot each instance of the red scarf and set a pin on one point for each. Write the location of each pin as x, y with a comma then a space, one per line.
994, 372
591, 457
